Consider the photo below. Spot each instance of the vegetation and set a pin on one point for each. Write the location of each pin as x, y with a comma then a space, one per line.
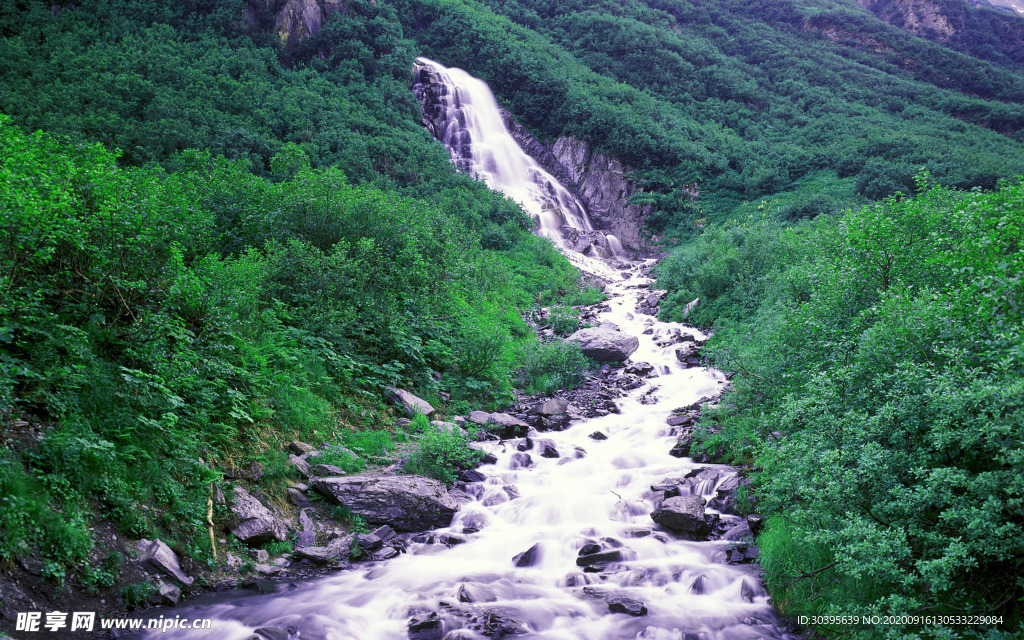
879, 396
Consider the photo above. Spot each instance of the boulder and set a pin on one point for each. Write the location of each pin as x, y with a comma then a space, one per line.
406, 503
255, 524
157, 555
297, 447
605, 345
407, 402
682, 514
299, 464
528, 558
629, 606
327, 470
479, 417
506, 426
552, 407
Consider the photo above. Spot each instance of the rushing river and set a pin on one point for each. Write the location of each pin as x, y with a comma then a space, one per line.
595, 492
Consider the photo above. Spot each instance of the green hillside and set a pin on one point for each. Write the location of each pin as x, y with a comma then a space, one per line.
214, 241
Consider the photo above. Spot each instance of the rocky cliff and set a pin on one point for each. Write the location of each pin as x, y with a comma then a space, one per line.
294, 20
598, 180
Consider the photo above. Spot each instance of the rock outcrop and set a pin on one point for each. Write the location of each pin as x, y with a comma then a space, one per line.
598, 180
255, 524
406, 503
294, 20
605, 345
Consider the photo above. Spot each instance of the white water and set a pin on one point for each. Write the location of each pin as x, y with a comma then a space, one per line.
479, 142
563, 504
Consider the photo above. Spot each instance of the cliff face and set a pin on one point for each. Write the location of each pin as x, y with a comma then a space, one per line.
920, 17
295, 20
598, 180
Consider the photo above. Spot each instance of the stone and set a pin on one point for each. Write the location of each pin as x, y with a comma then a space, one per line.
629, 606
507, 426
686, 352
267, 569
276, 633
528, 558
299, 464
474, 593
298, 498
429, 628
683, 514
327, 470
168, 594
259, 555
300, 448
756, 522
547, 449
385, 533
498, 625
681, 449
552, 407
305, 521
156, 555
678, 421
521, 460
601, 558
317, 555
597, 435
385, 554
407, 402
472, 475
255, 524
605, 345
479, 417
406, 503
257, 471
305, 539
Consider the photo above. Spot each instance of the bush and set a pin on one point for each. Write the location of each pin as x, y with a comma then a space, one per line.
441, 453
547, 367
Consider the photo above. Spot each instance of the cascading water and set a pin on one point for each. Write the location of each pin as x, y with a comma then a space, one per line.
592, 492
471, 127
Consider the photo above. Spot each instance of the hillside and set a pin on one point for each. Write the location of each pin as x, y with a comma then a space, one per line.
224, 226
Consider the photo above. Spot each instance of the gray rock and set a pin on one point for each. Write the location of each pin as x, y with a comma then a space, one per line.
305, 521
268, 569
684, 514
479, 417
326, 470
259, 555
552, 407
629, 606
385, 554
300, 448
407, 402
527, 558
305, 539
298, 498
157, 555
507, 426
168, 594
318, 555
256, 525
299, 464
605, 345
547, 449
406, 503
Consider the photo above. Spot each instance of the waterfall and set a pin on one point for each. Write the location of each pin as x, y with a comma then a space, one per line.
469, 122
592, 498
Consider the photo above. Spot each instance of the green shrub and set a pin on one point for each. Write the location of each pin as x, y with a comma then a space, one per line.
442, 453
546, 367
564, 320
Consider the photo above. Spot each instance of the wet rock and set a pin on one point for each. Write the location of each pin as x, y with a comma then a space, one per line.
475, 593
599, 559
528, 558
511, 491
406, 503
679, 421
605, 345
368, 541
547, 449
259, 555
641, 369
506, 426
428, 628
498, 625
275, 633
525, 444
756, 523
629, 606
698, 587
682, 514
158, 556
472, 475
385, 554
256, 525
681, 449
597, 435
407, 402
167, 594
489, 458
521, 460
473, 523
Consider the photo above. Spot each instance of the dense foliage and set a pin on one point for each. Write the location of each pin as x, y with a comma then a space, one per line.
819, 103
880, 395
